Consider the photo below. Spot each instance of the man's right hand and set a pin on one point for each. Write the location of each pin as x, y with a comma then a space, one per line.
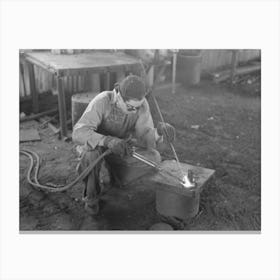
118, 146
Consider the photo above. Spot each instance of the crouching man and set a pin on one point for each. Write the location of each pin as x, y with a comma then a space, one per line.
119, 120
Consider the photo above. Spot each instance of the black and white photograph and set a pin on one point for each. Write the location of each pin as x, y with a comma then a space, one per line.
140, 139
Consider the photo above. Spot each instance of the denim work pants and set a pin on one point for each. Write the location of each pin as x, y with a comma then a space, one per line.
113, 170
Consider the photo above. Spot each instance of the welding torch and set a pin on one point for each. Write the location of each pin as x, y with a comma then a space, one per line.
156, 166
166, 132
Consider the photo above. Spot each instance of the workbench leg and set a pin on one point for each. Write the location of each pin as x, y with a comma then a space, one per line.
61, 107
34, 93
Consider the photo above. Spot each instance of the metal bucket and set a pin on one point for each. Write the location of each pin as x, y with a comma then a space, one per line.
174, 200
80, 102
180, 204
189, 68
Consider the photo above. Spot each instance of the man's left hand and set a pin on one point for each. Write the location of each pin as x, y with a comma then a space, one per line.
166, 130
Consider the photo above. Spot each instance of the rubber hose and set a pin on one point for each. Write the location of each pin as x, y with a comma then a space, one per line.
36, 184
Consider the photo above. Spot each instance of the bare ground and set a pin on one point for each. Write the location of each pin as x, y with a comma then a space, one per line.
217, 127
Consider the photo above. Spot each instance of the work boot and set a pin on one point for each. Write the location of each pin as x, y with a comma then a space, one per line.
91, 206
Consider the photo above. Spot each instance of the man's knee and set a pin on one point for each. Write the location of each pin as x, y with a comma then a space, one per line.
87, 157
90, 155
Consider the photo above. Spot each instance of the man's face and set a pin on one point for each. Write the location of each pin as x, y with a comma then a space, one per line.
129, 105
133, 105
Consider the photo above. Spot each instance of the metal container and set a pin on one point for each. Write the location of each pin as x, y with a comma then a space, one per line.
189, 67
80, 102
175, 200
179, 204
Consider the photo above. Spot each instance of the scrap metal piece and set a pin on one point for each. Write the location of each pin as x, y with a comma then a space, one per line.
30, 134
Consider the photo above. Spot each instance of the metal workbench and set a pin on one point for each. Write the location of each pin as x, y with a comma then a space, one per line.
61, 65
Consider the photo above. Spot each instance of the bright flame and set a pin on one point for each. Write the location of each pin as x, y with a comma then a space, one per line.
187, 183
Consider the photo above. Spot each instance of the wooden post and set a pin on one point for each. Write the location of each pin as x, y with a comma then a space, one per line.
75, 82
107, 80
69, 85
120, 75
234, 62
95, 82
22, 78
174, 72
87, 81
61, 106
72, 84
34, 93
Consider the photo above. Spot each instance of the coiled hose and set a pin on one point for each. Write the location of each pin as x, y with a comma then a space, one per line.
36, 183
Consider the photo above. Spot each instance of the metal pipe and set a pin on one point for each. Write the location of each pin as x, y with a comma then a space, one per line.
170, 144
156, 166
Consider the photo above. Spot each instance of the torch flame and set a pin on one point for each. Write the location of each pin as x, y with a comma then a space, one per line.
187, 183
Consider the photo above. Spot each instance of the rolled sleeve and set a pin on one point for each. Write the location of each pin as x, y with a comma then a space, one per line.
84, 132
144, 127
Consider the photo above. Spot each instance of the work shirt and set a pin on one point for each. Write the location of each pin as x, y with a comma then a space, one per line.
103, 117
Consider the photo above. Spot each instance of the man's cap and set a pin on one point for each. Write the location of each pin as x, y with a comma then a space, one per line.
132, 87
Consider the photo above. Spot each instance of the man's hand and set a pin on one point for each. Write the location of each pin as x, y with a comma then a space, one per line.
118, 146
171, 132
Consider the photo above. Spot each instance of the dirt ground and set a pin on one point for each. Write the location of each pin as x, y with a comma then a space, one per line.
217, 127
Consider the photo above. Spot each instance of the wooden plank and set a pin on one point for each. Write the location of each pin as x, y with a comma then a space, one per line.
56, 51
107, 80
224, 75
39, 115
79, 83
75, 84
34, 93
120, 75
94, 83
72, 84
87, 81
30, 134
69, 84
55, 129
83, 82
246, 55
28, 124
